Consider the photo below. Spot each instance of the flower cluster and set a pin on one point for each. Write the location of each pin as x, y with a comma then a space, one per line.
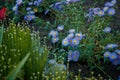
73, 39
73, 55
55, 34
108, 9
31, 11
114, 57
18, 3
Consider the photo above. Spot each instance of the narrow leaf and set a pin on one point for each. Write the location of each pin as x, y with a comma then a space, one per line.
1, 34
13, 74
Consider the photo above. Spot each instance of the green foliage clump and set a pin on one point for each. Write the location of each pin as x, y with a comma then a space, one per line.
18, 40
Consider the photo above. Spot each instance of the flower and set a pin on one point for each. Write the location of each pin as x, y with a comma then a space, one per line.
55, 39
70, 55
18, 2
29, 8
2, 13
75, 42
105, 9
76, 56
107, 54
52, 61
72, 0
39, 1
115, 62
79, 36
31, 12
111, 46
96, 10
113, 56
58, 6
72, 31
71, 35
15, 8
29, 17
117, 51
30, 3
111, 11
107, 30
51, 32
60, 27
109, 4
101, 13
65, 42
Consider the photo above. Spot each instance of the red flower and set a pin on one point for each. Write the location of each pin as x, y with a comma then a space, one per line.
2, 13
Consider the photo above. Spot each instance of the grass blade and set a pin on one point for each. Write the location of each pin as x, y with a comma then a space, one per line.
1, 33
13, 74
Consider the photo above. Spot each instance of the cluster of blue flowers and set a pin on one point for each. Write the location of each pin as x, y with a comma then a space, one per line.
73, 40
55, 33
108, 8
114, 57
15, 8
31, 12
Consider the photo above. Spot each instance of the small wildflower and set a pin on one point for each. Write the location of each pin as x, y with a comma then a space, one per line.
76, 56
109, 4
55, 39
71, 35
70, 55
96, 10
107, 54
51, 32
107, 30
58, 6
111, 46
101, 13
30, 3
117, 51
52, 61
75, 42
60, 27
111, 11
113, 56
29, 8
31, 12
65, 42
79, 36
72, 31
115, 62
15, 8
105, 9
19, 2
29, 17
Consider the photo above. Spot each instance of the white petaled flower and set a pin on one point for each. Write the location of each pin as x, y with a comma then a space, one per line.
72, 31
60, 27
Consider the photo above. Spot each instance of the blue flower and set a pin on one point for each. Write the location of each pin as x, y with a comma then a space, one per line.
109, 4
115, 62
113, 2
101, 13
29, 17
107, 30
18, 2
111, 46
55, 39
15, 8
70, 55
65, 42
105, 9
31, 12
30, 3
58, 6
72, 0
96, 10
117, 51
75, 42
111, 11
60, 27
107, 54
79, 36
71, 35
29, 8
54, 33
39, 1
113, 56
72, 31
76, 56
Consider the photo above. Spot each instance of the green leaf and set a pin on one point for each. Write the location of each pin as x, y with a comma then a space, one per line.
13, 74
1, 34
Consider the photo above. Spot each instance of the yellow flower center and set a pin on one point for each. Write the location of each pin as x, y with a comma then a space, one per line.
35, 10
